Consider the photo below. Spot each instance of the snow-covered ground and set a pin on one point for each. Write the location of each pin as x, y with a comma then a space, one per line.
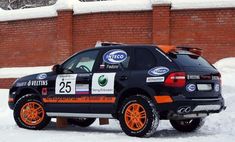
218, 127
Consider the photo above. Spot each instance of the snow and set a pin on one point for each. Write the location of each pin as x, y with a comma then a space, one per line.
200, 4
115, 5
17, 72
218, 127
29, 13
108, 6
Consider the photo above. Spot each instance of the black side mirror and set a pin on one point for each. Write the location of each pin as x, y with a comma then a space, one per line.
56, 68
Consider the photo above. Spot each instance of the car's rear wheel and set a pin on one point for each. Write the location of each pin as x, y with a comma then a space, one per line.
187, 125
29, 113
138, 116
82, 122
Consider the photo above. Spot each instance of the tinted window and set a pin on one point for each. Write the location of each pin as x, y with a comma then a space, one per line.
82, 62
144, 59
190, 60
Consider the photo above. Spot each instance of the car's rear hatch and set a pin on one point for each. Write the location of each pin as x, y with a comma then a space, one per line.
202, 80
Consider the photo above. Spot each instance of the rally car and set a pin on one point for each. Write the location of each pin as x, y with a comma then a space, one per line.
136, 84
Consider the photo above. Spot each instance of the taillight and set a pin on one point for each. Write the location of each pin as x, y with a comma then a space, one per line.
217, 77
176, 79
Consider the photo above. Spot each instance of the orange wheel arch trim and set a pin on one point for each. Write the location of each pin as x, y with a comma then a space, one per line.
32, 113
135, 116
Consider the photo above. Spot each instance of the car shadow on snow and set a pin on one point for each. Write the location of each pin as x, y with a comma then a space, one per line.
164, 133
91, 129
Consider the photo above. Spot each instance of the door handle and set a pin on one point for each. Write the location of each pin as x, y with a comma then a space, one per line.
86, 79
123, 77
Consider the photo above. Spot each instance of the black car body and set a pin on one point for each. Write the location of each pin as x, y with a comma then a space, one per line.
94, 84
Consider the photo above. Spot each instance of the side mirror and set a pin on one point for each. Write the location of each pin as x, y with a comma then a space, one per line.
56, 68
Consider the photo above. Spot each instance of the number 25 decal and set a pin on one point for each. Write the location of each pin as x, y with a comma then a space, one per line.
65, 84
65, 87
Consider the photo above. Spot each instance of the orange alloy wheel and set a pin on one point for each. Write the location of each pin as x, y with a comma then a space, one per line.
135, 117
32, 113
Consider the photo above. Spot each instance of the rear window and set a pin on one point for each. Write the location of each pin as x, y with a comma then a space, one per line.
188, 60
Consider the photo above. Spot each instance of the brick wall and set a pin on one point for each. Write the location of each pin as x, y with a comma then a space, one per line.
125, 27
6, 83
210, 29
47, 41
27, 42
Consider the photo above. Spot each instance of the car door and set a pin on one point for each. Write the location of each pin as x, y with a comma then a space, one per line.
110, 76
73, 84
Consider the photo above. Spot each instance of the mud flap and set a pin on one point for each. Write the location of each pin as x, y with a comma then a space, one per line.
61, 122
104, 121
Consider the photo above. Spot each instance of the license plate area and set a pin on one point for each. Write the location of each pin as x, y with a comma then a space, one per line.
204, 87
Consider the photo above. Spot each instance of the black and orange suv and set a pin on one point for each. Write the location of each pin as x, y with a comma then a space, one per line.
136, 84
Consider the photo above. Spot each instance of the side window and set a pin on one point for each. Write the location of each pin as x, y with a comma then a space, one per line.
144, 59
81, 63
115, 60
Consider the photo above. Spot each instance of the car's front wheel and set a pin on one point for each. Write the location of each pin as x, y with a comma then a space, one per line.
82, 122
188, 125
29, 113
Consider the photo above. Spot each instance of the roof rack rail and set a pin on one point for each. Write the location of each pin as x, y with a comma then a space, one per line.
100, 44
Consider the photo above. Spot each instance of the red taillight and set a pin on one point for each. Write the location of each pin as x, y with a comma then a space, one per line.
176, 79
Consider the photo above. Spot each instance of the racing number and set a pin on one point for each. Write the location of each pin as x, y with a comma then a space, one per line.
65, 87
65, 84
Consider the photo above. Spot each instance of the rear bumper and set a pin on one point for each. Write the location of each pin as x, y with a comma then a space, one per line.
182, 107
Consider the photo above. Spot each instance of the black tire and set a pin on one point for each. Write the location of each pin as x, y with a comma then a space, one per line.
188, 125
151, 119
45, 120
82, 122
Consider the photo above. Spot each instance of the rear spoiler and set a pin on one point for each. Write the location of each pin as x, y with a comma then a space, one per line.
172, 48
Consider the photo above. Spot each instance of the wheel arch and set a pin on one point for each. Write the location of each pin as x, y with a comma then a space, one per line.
24, 91
131, 92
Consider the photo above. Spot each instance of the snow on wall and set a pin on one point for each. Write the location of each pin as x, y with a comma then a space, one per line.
200, 4
29, 13
106, 6
18, 72
115, 5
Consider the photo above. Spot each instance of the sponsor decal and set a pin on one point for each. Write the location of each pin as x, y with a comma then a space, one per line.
115, 56
37, 83
82, 89
191, 87
65, 84
44, 91
103, 83
155, 79
41, 76
157, 71
217, 87
21, 84
112, 66
103, 80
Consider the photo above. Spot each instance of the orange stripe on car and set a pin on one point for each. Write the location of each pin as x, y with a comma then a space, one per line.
100, 99
163, 99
